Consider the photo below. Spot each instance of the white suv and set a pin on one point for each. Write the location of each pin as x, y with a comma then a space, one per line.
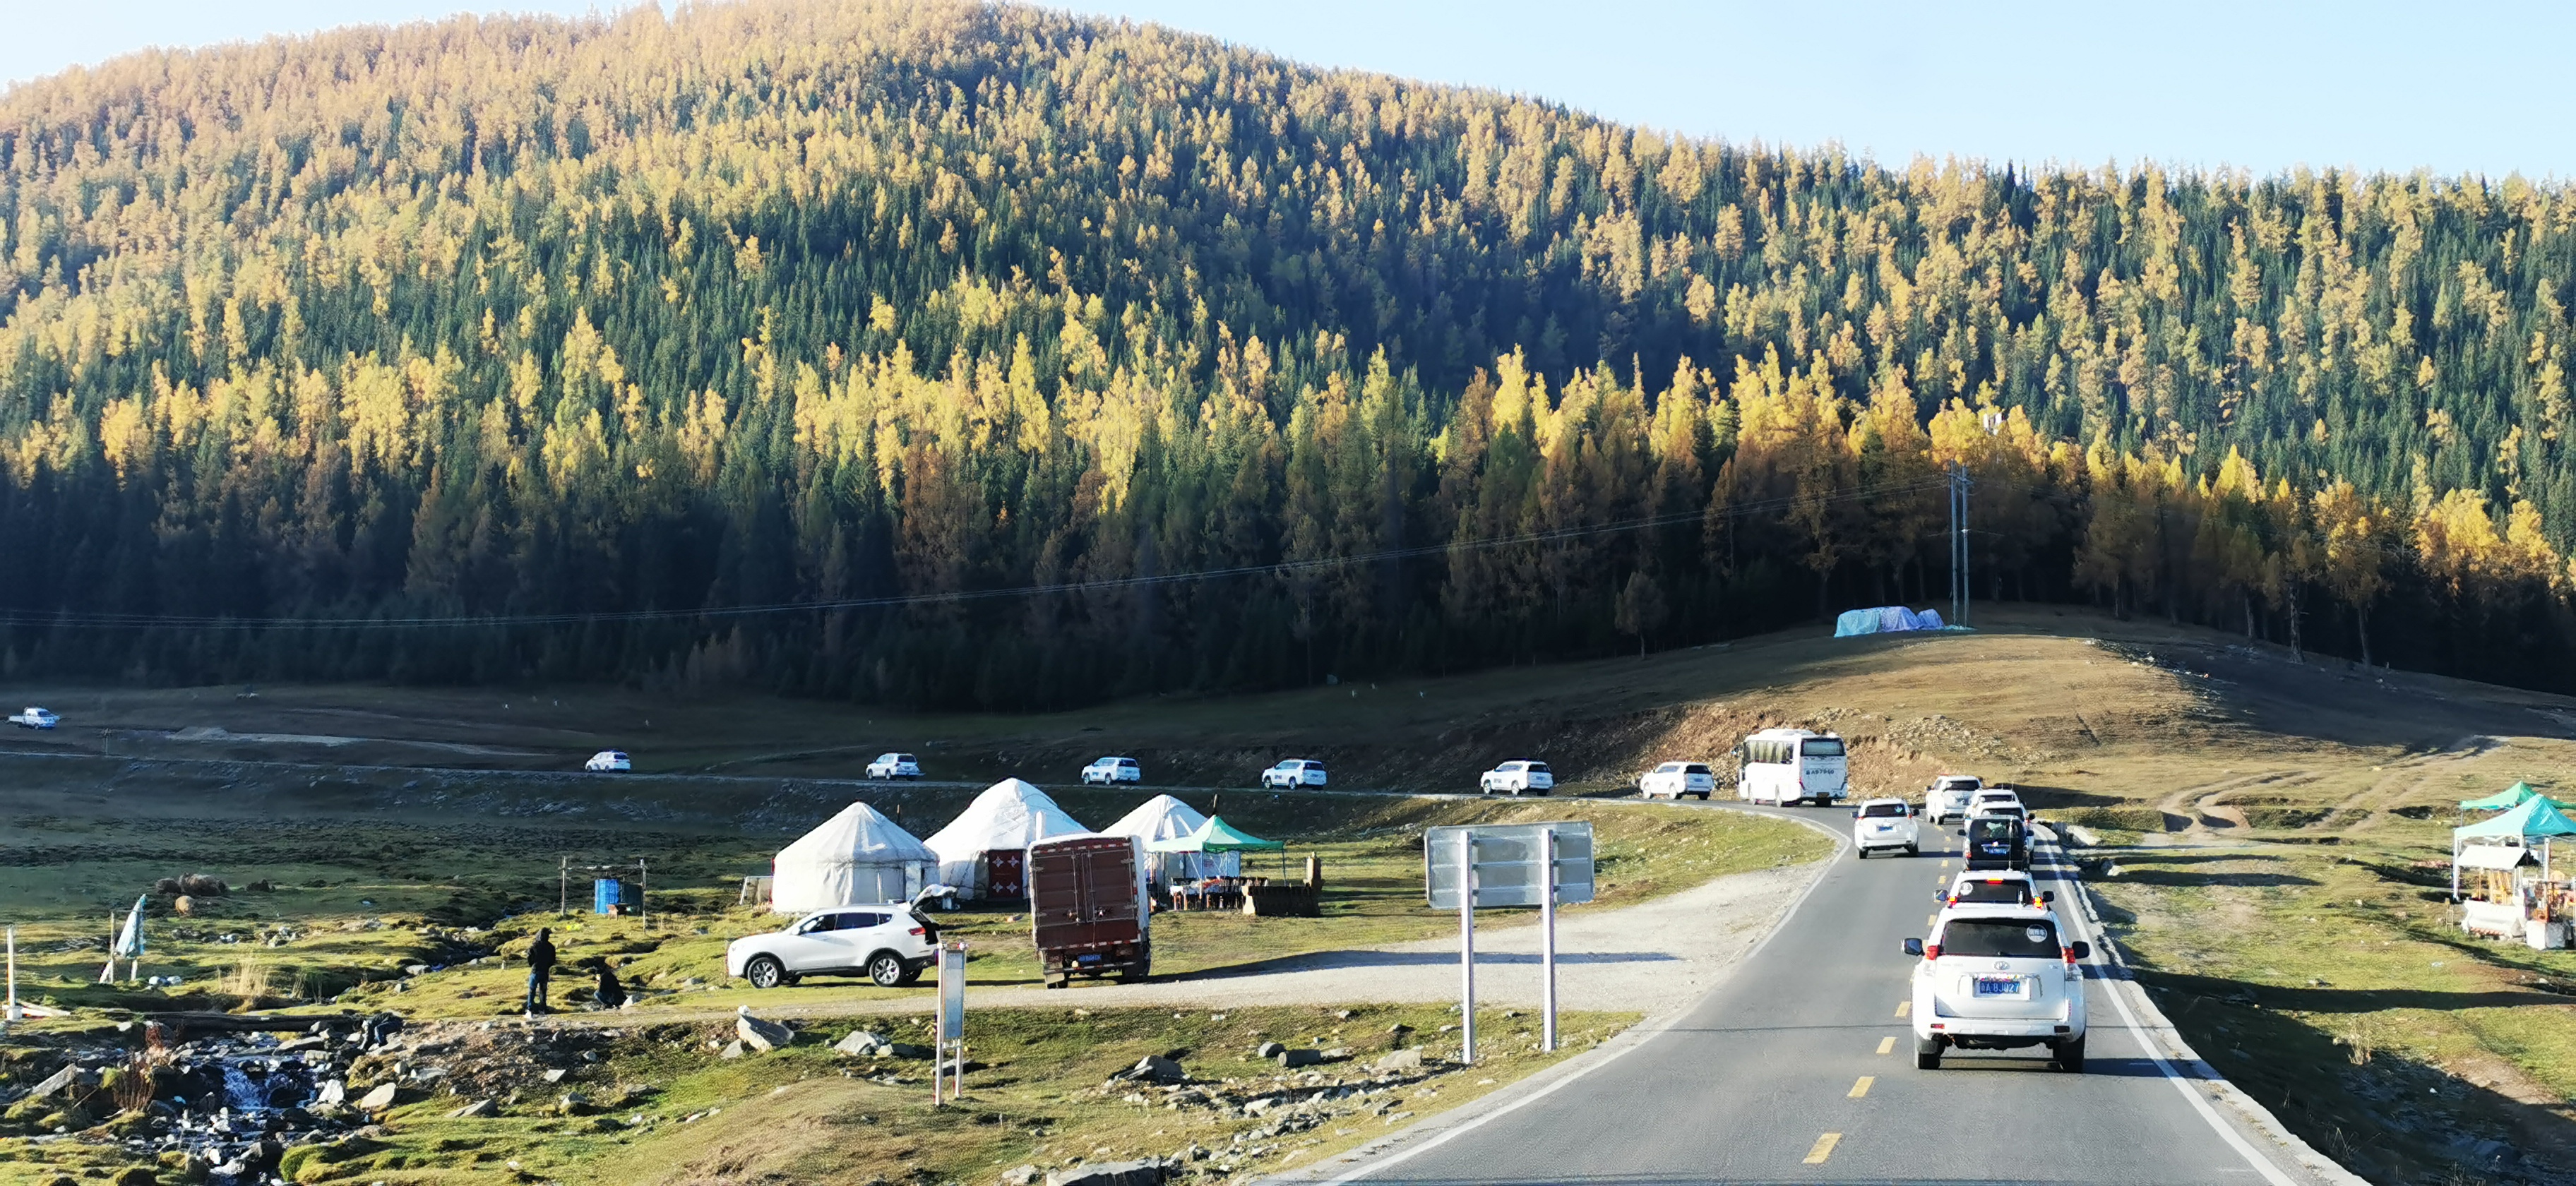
1975, 888
1672, 780
1950, 795
1885, 824
887, 942
608, 761
894, 766
1519, 778
1998, 978
1292, 773
1111, 770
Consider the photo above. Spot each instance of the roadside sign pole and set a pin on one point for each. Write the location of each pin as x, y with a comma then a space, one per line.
1547, 942
13, 1014
1467, 948
948, 1035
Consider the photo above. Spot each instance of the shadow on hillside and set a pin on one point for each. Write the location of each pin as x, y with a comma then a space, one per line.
2377, 1112
2187, 877
2237, 994
2041, 798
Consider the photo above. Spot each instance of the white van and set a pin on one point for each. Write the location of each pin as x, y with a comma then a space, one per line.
1783, 766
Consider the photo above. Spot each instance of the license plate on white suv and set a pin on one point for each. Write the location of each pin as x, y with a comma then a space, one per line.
2001, 986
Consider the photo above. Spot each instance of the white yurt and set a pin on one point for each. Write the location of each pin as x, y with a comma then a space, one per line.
856, 856
1166, 818
984, 851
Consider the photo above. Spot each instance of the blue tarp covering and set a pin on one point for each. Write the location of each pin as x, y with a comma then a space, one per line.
1885, 619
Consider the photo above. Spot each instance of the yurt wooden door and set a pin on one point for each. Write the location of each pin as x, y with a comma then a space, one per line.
1003, 872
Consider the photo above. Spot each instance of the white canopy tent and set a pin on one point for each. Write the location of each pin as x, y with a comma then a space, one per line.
1166, 818
856, 856
997, 830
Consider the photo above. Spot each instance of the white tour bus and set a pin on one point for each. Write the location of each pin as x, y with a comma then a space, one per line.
1790, 765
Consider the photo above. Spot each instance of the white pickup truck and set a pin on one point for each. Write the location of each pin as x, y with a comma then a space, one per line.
34, 718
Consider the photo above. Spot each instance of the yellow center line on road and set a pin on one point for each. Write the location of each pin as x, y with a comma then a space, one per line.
1887, 1045
1824, 1148
1862, 1088
1904, 1007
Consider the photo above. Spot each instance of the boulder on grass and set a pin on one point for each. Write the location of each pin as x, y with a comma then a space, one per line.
380, 1099
1154, 1068
757, 1034
862, 1044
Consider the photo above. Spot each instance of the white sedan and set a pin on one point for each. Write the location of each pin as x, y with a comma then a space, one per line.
1885, 824
1517, 778
608, 761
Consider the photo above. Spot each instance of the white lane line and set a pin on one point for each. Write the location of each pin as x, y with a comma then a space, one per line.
2111, 987
1395, 1159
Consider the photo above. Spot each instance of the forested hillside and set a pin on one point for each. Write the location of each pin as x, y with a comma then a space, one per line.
961, 355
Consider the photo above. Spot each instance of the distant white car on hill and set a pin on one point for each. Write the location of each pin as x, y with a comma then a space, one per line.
1518, 778
1113, 770
33, 717
891, 766
1292, 773
608, 761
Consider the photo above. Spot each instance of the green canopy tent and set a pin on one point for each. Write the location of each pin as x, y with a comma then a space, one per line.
2536, 819
2510, 797
1216, 835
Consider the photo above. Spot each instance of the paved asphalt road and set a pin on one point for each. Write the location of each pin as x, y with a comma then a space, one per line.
1762, 1080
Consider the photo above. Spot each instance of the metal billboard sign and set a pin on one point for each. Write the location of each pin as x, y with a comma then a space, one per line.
1508, 864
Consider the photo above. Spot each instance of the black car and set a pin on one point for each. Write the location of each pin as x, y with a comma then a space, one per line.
1998, 842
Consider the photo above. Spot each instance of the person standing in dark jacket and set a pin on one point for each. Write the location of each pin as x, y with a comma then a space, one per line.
541, 966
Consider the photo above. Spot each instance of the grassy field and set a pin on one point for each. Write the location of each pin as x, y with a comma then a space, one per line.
665, 1109
2270, 822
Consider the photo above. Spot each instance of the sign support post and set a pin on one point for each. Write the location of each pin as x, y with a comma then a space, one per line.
1467, 947
1547, 943
13, 1014
948, 1037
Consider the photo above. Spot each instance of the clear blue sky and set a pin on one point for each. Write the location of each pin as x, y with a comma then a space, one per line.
2459, 86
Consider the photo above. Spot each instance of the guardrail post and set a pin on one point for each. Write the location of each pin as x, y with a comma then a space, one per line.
1467, 947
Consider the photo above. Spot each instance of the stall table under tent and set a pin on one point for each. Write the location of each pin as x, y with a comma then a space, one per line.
2507, 898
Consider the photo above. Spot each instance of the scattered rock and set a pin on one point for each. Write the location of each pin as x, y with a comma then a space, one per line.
1268, 1050
1026, 1175
555, 1075
862, 1044
1401, 1061
1113, 1173
379, 1099
333, 1094
482, 1107
1292, 1059
573, 1103
760, 1035
731, 1050
55, 1083
1154, 1068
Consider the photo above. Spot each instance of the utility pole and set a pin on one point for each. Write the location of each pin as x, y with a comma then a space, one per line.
1959, 487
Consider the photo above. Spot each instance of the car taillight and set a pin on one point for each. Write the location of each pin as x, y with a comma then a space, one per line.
2070, 955
918, 931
